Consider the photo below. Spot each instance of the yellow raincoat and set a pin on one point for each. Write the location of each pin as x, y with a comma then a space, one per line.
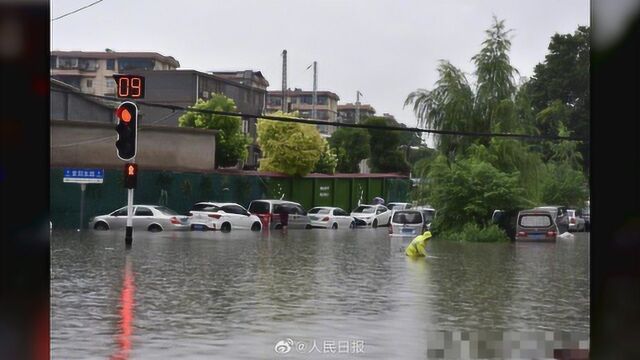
418, 244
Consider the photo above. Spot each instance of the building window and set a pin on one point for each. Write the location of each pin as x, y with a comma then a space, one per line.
67, 63
89, 83
275, 101
111, 83
322, 100
135, 64
53, 63
111, 64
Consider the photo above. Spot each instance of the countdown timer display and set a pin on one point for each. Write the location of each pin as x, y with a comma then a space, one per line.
129, 86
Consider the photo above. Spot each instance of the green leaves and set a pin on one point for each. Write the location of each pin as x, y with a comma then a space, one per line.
231, 143
289, 148
351, 146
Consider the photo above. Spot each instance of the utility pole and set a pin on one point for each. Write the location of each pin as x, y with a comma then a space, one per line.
284, 81
314, 100
358, 93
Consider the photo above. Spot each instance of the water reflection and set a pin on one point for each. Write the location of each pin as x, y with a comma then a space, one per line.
127, 304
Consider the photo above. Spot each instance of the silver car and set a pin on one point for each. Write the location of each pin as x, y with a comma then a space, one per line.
407, 223
152, 218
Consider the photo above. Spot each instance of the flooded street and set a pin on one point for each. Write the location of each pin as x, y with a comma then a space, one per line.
238, 295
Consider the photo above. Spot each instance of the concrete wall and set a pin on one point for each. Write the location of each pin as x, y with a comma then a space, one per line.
83, 144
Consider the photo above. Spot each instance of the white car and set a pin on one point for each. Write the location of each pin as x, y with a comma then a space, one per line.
407, 223
222, 216
372, 215
330, 218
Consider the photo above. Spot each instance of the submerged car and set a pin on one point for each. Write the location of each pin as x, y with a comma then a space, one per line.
428, 214
269, 213
407, 223
330, 218
153, 218
536, 225
559, 215
576, 222
398, 206
372, 215
222, 216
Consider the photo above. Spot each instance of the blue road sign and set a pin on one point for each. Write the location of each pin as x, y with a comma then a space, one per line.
83, 176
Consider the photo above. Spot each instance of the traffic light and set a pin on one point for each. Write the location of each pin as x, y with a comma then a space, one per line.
127, 128
130, 175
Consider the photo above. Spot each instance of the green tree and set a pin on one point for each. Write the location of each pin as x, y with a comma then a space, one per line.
564, 186
351, 146
231, 143
385, 154
328, 160
452, 105
563, 78
496, 88
468, 191
288, 147
449, 106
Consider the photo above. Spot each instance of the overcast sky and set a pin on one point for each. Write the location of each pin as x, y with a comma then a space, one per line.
384, 48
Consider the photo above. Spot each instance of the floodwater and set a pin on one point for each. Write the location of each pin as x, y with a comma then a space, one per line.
308, 293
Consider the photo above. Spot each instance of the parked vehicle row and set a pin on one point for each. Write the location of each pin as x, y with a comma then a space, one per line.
261, 214
543, 223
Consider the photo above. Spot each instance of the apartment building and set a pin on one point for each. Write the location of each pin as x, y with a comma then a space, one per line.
302, 102
347, 112
92, 72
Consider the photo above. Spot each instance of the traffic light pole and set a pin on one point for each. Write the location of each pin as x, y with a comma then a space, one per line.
128, 236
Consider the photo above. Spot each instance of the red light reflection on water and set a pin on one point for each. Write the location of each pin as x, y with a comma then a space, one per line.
127, 303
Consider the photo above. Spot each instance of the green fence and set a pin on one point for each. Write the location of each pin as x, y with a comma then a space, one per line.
179, 191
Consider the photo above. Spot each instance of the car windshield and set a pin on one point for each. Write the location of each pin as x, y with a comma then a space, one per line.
319, 211
407, 217
259, 207
365, 209
393, 206
165, 210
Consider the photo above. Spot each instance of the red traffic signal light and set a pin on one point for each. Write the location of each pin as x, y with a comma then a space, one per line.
127, 128
130, 175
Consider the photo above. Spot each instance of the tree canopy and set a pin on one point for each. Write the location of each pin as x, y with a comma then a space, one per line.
351, 146
231, 143
288, 147
383, 144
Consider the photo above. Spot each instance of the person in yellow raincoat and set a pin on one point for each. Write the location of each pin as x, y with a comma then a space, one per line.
418, 244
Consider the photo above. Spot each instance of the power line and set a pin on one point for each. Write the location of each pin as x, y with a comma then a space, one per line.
75, 11
322, 122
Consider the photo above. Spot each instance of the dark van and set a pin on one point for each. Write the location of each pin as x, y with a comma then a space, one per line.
536, 225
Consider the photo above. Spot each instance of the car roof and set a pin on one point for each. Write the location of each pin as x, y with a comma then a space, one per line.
275, 201
325, 207
408, 210
536, 211
219, 204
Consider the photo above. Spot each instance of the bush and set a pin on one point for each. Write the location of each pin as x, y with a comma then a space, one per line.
473, 233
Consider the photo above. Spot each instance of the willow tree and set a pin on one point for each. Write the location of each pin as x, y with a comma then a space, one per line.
452, 104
